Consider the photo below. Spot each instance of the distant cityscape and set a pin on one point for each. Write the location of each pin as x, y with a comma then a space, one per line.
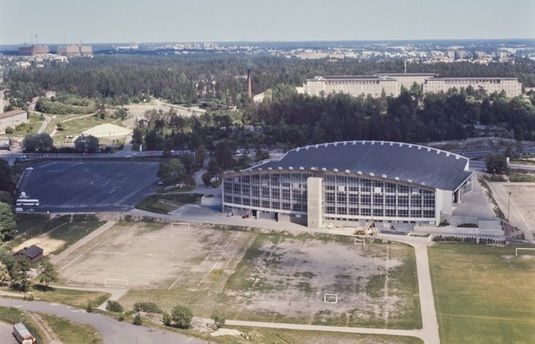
477, 51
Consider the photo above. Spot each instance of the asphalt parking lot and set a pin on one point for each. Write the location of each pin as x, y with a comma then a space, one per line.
89, 186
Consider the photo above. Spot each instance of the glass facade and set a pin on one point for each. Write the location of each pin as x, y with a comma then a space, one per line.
349, 196
345, 196
269, 191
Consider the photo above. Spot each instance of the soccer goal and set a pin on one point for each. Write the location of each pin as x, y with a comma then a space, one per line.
330, 298
116, 283
180, 225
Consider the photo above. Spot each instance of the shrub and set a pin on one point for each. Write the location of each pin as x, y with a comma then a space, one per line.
219, 321
89, 308
148, 307
137, 320
182, 316
9, 130
166, 319
114, 306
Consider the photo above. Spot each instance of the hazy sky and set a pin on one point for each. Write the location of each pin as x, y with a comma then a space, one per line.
95, 21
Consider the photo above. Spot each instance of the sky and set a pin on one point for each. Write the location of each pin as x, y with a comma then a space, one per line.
114, 21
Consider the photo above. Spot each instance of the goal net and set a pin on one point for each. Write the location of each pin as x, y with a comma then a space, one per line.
180, 225
116, 283
330, 298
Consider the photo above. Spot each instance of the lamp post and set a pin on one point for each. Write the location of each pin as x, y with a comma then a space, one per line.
508, 206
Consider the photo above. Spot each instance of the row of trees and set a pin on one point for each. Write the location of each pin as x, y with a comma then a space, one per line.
43, 143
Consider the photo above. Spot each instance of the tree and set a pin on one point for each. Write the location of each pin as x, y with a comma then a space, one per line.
4, 274
47, 272
6, 197
6, 257
166, 319
8, 225
40, 143
496, 163
19, 275
223, 155
137, 320
182, 316
86, 144
219, 321
171, 171
6, 177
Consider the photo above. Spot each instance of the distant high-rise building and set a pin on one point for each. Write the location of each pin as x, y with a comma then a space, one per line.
33, 50
75, 50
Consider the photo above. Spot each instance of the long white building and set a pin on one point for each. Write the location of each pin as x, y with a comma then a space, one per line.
391, 84
511, 86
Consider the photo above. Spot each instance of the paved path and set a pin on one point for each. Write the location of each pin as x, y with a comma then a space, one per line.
111, 330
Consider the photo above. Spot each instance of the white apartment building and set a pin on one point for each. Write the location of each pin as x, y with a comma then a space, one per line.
511, 86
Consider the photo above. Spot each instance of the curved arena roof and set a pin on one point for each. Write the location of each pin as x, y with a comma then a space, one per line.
392, 160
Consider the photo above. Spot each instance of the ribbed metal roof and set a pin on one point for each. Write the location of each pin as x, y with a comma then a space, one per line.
382, 159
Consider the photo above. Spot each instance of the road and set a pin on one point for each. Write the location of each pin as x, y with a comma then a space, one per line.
111, 330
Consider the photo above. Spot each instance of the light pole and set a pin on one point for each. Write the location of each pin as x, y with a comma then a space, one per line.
508, 206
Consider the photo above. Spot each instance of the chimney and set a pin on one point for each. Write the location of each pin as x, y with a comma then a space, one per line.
249, 83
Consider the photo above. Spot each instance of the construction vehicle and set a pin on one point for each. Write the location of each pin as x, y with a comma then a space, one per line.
369, 229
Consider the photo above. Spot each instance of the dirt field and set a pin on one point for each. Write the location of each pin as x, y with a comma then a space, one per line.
138, 110
143, 255
290, 278
519, 206
252, 276
45, 242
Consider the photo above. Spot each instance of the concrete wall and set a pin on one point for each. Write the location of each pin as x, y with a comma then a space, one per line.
315, 202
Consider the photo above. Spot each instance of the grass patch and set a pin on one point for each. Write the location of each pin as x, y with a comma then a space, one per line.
71, 332
521, 178
13, 316
483, 294
72, 231
72, 297
163, 204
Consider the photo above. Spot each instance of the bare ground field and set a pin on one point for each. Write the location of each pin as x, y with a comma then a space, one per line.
48, 244
517, 202
252, 276
328, 281
138, 110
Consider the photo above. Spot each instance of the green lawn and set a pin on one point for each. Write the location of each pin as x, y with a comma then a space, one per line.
71, 332
163, 204
483, 294
72, 231
71, 297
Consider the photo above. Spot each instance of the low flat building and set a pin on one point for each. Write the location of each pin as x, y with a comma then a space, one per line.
353, 85
391, 84
34, 253
511, 86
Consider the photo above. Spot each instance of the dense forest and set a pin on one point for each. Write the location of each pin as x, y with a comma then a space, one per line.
120, 79
295, 120
285, 118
